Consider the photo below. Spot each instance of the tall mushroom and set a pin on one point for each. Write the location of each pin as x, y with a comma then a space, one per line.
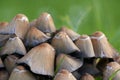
63, 44
40, 59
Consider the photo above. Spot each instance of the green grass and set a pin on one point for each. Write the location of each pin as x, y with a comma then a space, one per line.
83, 16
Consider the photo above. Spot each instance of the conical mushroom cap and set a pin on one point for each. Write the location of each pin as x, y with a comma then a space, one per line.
87, 76
4, 74
63, 44
73, 35
45, 23
19, 26
40, 59
20, 73
85, 45
1, 64
10, 62
101, 46
13, 45
35, 37
111, 68
64, 75
67, 62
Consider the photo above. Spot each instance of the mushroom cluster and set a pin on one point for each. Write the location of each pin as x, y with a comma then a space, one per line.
36, 50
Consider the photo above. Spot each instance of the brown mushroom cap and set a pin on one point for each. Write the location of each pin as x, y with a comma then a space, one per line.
111, 68
13, 45
64, 75
87, 76
35, 37
63, 44
67, 62
40, 59
73, 35
19, 26
102, 47
20, 73
85, 45
45, 23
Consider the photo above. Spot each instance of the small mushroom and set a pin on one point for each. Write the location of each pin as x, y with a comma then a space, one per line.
85, 45
67, 62
33, 23
111, 68
87, 76
19, 26
20, 73
40, 59
73, 35
4, 74
64, 75
13, 45
63, 44
35, 37
10, 62
102, 47
45, 23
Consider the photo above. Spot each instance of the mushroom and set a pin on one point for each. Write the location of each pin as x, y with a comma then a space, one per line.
33, 23
45, 23
110, 69
63, 44
64, 75
85, 45
87, 76
20, 73
19, 26
40, 59
13, 45
10, 62
102, 47
67, 62
73, 35
35, 37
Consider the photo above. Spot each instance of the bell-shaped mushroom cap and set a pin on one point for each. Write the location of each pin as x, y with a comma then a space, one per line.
87, 76
64, 75
40, 59
45, 23
4, 74
73, 35
10, 62
111, 68
35, 37
63, 44
67, 62
1, 64
101, 46
20, 73
85, 45
19, 26
13, 45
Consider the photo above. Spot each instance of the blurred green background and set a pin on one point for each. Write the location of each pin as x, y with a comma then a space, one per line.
83, 16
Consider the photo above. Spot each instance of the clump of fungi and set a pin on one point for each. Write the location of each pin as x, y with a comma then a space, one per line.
36, 50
